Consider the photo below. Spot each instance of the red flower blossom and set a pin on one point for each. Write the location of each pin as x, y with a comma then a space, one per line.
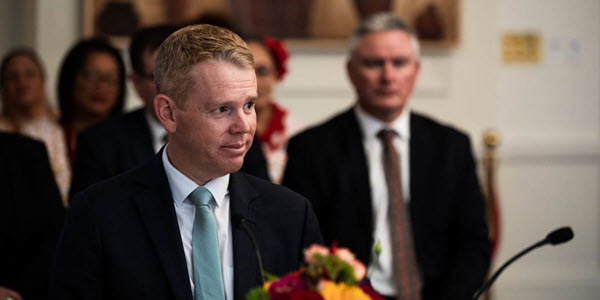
279, 54
282, 289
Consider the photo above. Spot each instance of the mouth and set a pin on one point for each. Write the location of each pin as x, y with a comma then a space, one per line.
386, 93
235, 149
99, 98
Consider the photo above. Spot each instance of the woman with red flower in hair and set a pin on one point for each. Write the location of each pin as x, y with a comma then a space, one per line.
274, 126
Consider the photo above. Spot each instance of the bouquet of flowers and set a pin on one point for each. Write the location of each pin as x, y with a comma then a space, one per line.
328, 274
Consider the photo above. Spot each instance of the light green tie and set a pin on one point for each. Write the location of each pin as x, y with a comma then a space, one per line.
208, 281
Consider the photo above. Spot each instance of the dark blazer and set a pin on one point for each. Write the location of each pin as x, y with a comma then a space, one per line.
125, 142
31, 216
327, 164
121, 238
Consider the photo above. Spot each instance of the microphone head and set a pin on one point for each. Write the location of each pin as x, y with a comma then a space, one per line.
560, 235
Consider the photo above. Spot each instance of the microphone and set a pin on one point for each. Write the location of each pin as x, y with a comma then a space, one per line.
556, 237
239, 221
559, 236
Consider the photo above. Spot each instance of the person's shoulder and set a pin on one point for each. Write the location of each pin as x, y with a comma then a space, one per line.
113, 127
422, 124
115, 191
267, 190
438, 137
17, 145
325, 130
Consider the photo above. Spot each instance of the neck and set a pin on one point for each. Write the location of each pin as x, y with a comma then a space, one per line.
174, 158
21, 115
384, 115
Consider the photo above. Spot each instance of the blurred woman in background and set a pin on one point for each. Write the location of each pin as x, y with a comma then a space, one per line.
273, 124
91, 87
26, 109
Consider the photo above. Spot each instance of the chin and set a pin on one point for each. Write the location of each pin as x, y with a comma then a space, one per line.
233, 167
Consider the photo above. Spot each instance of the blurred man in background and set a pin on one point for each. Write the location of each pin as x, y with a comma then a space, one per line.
381, 176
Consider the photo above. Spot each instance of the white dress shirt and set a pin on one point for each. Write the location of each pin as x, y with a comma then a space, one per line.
157, 131
382, 274
181, 187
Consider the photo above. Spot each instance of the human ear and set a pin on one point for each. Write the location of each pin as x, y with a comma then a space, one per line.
164, 108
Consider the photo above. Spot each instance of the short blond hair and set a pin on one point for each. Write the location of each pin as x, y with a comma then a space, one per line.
192, 45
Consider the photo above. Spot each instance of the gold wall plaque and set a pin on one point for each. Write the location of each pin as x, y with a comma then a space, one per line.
521, 48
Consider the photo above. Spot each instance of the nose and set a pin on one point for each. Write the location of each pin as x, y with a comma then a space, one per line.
21, 80
243, 122
388, 72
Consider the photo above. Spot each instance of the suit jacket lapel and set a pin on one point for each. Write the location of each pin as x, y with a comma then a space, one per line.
246, 273
155, 205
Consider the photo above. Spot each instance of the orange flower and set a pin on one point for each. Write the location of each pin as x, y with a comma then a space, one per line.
341, 291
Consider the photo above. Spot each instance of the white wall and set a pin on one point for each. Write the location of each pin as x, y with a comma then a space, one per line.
13, 31
548, 115
58, 28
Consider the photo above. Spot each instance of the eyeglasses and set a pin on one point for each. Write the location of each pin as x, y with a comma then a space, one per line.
98, 77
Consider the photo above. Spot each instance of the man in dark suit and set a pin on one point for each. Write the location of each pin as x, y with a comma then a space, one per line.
345, 168
155, 232
127, 141
31, 217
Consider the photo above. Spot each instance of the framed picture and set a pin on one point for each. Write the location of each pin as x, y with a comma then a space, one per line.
303, 23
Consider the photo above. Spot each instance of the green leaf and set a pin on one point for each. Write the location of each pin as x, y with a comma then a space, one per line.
257, 294
271, 277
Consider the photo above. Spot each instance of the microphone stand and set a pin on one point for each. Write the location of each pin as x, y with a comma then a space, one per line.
558, 236
244, 225
505, 265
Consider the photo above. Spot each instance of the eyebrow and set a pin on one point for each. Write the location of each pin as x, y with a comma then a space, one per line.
212, 102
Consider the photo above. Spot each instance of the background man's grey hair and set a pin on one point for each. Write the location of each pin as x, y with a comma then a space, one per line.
384, 21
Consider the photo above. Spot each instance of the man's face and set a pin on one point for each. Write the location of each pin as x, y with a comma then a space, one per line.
144, 83
383, 69
214, 128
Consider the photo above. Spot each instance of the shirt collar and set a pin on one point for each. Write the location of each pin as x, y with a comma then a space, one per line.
371, 126
182, 186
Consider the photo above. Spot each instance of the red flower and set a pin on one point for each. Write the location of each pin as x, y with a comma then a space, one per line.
334, 245
279, 53
282, 289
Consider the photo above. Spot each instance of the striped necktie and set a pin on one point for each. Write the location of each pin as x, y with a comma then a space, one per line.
406, 272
